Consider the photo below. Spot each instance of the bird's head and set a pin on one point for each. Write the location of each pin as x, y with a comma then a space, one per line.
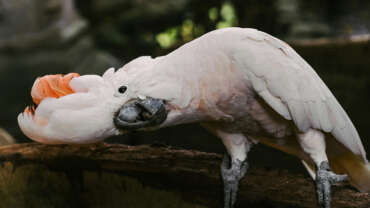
90, 108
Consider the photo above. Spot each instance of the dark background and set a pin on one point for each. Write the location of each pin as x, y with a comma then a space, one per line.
40, 37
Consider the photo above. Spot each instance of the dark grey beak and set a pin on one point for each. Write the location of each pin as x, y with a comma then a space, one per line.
139, 114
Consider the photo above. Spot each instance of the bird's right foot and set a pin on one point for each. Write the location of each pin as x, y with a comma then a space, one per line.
324, 179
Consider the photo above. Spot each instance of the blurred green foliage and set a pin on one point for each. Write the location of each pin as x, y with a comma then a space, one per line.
167, 38
130, 28
190, 30
229, 16
143, 29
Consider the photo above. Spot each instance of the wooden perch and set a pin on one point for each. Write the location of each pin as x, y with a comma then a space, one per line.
192, 175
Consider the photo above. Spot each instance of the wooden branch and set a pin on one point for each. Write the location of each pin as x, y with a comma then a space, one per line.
190, 174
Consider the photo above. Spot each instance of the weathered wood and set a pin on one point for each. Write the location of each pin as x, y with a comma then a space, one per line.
191, 174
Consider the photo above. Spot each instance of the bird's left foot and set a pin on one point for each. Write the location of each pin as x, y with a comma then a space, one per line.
324, 179
232, 173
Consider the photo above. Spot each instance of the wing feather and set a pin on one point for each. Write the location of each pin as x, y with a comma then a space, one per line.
293, 89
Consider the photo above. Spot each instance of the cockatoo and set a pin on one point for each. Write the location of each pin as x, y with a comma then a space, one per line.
241, 84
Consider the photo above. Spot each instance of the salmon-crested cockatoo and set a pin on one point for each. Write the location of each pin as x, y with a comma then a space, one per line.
243, 85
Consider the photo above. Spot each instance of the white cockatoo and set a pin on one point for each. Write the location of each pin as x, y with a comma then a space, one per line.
241, 84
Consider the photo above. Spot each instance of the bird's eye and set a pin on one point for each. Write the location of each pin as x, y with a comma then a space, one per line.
122, 89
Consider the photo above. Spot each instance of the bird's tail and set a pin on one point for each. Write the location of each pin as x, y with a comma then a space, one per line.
343, 161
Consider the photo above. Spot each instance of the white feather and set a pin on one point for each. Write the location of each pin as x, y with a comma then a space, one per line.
293, 82
81, 117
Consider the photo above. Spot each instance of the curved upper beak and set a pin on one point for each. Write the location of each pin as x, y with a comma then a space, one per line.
140, 113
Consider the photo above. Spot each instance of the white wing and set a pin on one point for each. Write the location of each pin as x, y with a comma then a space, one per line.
293, 89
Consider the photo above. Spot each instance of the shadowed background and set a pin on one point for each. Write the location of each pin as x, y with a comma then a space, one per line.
40, 37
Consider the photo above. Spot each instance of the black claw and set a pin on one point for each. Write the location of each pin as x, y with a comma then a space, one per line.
227, 196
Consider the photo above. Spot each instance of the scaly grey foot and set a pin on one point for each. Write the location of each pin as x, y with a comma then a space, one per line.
231, 175
324, 179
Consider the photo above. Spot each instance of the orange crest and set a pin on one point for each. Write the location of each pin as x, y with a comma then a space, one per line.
52, 86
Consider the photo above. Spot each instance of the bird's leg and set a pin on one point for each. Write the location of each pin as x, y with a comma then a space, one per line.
234, 165
232, 172
324, 179
313, 143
